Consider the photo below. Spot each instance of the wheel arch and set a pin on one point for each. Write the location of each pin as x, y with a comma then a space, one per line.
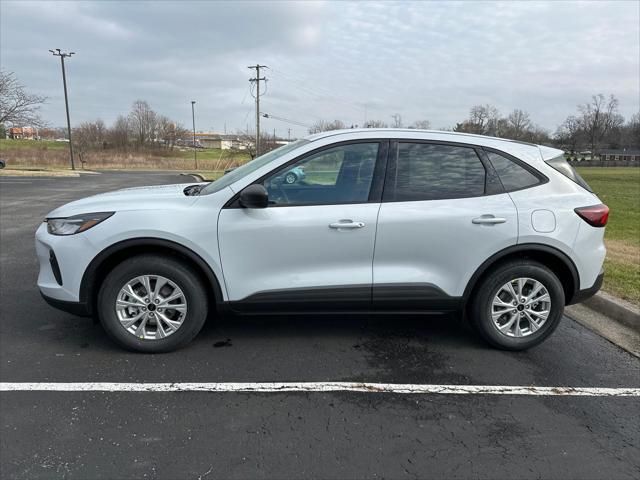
553, 258
111, 256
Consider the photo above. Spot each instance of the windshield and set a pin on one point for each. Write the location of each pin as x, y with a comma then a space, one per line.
250, 167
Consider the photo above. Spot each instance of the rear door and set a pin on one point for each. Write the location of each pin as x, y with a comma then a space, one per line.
443, 213
312, 248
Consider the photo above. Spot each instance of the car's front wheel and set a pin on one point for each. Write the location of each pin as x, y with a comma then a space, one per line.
290, 178
518, 305
152, 303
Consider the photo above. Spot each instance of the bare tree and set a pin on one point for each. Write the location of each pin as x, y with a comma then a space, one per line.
375, 124
630, 135
90, 134
519, 125
17, 106
169, 131
143, 122
483, 120
598, 119
486, 117
569, 134
538, 135
119, 134
324, 126
245, 141
421, 124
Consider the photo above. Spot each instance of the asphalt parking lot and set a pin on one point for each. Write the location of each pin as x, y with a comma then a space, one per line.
293, 434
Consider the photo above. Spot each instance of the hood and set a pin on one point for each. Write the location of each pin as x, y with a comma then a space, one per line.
137, 198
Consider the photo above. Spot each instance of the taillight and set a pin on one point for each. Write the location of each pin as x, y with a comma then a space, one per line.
595, 215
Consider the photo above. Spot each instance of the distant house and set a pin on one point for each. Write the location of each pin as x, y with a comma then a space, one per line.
27, 133
221, 141
620, 155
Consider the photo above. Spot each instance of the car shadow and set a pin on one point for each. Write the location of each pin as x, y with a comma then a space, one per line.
447, 329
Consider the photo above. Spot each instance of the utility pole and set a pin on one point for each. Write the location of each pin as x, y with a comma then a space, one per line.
289, 134
193, 118
63, 55
257, 79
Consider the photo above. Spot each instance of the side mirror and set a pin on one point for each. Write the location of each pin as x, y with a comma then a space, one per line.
254, 196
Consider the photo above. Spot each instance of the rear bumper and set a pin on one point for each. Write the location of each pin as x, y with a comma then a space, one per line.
582, 295
76, 308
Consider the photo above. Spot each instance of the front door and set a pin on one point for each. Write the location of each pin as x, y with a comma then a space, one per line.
312, 247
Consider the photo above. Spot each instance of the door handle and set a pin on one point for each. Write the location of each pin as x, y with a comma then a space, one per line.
488, 220
346, 224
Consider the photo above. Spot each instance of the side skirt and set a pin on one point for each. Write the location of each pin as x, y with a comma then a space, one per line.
418, 299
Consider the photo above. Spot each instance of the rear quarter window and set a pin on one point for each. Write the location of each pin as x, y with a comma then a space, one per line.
561, 165
512, 175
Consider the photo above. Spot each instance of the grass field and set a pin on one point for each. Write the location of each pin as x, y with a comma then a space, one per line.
6, 143
55, 155
619, 188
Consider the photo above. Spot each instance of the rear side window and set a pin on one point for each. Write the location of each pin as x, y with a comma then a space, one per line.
560, 164
512, 175
429, 172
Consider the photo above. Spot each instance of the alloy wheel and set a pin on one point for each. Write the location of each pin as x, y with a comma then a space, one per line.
520, 307
151, 307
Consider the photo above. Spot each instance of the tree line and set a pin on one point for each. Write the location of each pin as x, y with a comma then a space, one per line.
141, 128
596, 124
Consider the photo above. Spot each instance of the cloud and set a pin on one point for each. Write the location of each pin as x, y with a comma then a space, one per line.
346, 60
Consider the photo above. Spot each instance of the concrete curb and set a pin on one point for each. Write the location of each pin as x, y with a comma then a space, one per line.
616, 309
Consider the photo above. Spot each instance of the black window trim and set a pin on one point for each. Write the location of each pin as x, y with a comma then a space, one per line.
542, 179
491, 187
377, 182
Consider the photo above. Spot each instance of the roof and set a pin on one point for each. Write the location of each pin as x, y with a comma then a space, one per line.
620, 151
527, 151
395, 131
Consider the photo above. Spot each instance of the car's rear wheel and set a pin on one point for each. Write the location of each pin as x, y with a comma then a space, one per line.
518, 305
152, 303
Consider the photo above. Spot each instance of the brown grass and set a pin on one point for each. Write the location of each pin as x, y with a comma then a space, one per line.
37, 173
111, 159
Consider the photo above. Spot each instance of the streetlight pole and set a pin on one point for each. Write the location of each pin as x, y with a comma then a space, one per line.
63, 55
193, 118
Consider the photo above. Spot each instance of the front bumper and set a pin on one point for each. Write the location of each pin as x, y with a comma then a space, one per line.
63, 261
582, 295
76, 308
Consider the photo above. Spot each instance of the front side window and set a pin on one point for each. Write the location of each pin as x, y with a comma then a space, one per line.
512, 175
431, 172
341, 174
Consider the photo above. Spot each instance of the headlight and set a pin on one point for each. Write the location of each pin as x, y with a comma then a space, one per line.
75, 224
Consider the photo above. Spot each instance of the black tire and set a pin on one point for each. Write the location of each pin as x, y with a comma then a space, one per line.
481, 305
290, 178
183, 276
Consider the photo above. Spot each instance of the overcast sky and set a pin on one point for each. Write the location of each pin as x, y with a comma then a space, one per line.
327, 60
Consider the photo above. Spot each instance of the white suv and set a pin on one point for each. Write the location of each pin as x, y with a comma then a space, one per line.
382, 221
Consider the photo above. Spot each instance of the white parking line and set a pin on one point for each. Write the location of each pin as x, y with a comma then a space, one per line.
275, 387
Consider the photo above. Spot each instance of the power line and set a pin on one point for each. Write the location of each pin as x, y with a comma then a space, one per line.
286, 120
302, 85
